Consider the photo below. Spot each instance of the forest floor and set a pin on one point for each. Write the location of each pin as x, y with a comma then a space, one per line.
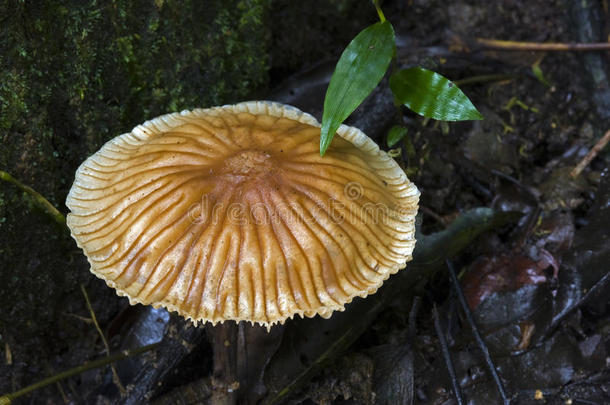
537, 284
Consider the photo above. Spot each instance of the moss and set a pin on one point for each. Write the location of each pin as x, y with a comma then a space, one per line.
12, 92
74, 74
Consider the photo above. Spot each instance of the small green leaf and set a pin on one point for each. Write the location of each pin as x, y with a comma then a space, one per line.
359, 70
395, 134
432, 95
538, 73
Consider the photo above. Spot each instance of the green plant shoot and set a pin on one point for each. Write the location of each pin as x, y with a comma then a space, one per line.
362, 66
359, 70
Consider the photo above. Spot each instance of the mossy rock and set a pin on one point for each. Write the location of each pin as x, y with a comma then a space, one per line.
73, 75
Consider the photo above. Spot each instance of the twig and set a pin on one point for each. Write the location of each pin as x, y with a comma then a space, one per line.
413, 318
411, 331
591, 155
532, 217
597, 289
433, 214
542, 46
62, 392
36, 197
496, 77
115, 375
475, 332
7, 398
457, 390
531, 192
8, 354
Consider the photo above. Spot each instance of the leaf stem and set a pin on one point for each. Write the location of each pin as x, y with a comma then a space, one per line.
379, 11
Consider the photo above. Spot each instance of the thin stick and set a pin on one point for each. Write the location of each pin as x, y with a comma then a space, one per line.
412, 318
36, 197
593, 292
7, 398
409, 384
8, 354
457, 390
475, 331
516, 182
591, 155
115, 375
496, 77
542, 46
433, 214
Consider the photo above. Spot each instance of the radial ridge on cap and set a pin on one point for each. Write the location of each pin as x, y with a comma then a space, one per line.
230, 213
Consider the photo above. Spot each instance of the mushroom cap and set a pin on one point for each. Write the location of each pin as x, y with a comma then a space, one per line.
231, 213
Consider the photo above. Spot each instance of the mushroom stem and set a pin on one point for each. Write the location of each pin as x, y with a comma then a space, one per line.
225, 382
241, 355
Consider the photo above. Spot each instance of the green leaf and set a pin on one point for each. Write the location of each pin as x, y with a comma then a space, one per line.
395, 134
359, 70
432, 95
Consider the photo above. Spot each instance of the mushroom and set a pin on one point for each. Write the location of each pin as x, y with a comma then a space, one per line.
231, 213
